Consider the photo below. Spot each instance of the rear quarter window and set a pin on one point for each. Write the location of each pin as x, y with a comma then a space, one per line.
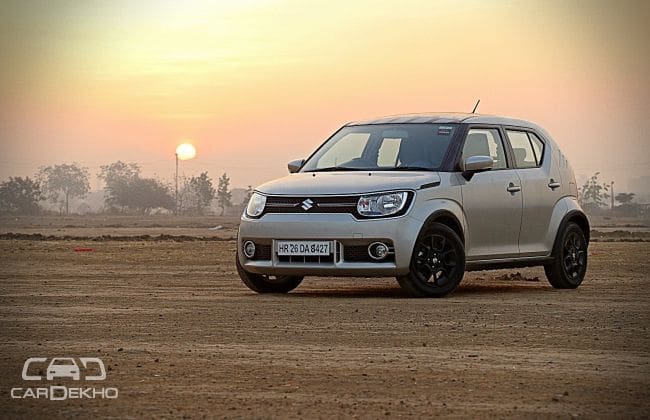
522, 149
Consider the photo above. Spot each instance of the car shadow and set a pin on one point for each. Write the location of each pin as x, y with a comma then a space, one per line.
500, 288
356, 292
473, 289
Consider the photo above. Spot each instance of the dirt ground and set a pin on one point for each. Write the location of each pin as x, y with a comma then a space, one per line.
182, 337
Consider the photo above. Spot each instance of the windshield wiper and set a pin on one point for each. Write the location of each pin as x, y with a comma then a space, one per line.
338, 168
410, 168
347, 168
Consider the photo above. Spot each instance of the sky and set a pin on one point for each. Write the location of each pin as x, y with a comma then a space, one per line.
255, 83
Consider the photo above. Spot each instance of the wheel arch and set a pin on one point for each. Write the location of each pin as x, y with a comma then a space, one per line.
565, 210
578, 217
448, 219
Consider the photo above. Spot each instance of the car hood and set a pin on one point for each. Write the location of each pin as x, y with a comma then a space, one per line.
336, 183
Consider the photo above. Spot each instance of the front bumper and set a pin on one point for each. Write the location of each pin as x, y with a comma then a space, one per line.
342, 229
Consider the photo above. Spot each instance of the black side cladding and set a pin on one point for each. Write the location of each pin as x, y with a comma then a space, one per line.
429, 185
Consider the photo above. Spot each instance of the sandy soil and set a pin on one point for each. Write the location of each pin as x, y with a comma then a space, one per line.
99, 227
181, 336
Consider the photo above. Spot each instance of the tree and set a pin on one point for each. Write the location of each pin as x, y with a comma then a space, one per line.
593, 194
144, 194
247, 196
61, 183
126, 190
627, 207
118, 176
624, 198
197, 194
20, 196
223, 193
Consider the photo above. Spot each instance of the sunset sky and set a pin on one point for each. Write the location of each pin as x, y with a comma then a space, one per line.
254, 84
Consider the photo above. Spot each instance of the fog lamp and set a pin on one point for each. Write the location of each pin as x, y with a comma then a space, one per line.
249, 249
378, 250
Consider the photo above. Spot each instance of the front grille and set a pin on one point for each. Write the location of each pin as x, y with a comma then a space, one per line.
341, 253
322, 204
356, 253
262, 252
319, 201
315, 259
359, 253
280, 204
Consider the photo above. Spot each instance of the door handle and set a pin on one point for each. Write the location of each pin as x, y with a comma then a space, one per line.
512, 188
553, 184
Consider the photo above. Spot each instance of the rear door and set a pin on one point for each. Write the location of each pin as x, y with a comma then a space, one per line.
541, 189
491, 200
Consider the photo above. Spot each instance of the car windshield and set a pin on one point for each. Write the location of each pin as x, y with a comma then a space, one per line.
388, 147
63, 362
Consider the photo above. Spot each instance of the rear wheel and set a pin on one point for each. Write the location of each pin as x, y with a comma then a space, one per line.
570, 259
261, 283
437, 264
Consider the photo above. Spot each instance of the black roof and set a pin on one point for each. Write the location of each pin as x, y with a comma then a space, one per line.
447, 117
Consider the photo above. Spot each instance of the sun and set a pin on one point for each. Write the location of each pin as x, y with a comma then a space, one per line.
185, 151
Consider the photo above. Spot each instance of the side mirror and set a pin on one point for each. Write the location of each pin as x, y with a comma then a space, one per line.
295, 165
474, 164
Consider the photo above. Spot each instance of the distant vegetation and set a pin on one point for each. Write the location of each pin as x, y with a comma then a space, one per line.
196, 195
62, 183
595, 198
593, 195
20, 196
126, 191
223, 193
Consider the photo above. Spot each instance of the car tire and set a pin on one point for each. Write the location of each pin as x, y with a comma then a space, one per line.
437, 264
569, 264
261, 283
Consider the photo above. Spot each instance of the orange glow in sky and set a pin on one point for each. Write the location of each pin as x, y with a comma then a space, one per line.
258, 83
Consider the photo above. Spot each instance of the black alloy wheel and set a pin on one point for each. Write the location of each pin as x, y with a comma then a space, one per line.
569, 264
437, 264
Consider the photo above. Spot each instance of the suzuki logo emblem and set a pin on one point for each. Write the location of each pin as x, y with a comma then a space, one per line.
307, 204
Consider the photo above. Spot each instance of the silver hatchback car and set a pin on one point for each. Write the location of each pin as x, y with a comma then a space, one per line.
423, 198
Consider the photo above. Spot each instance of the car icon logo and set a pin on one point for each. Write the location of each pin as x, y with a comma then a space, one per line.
63, 367
307, 204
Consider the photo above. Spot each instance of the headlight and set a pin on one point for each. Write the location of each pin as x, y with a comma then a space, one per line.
382, 204
256, 205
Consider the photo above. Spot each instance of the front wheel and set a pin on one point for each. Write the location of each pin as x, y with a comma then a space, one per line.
569, 265
261, 283
437, 264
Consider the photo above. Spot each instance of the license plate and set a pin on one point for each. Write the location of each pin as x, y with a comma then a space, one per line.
303, 248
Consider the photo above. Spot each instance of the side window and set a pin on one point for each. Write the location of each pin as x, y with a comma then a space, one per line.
522, 149
485, 142
349, 147
538, 148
